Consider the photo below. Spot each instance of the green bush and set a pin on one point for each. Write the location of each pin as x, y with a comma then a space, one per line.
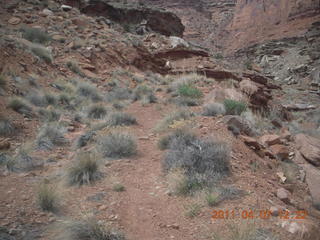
188, 90
234, 107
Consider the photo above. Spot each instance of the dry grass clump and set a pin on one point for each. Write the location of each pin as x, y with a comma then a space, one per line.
213, 109
88, 229
97, 111
121, 119
180, 135
203, 161
88, 90
20, 105
84, 170
47, 198
7, 128
42, 52
117, 145
171, 118
35, 35
50, 135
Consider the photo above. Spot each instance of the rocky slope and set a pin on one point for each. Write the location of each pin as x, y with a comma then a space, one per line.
71, 76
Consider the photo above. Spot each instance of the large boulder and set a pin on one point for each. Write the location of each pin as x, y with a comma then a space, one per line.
313, 181
241, 124
309, 147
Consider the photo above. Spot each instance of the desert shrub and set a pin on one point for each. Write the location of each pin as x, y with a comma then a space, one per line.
172, 117
118, 93
118, 145
50, 135
65, 99
48, 115
42, 53
203, 161
47, 198
84, 139
212, 199
85, 169
234, 107
97, 112
118, 187
23, 160
42, 100
193, 210
186, 101
180, 135
120, 118
74, 67
6, 127
3, 82
144, 93
118, 105
35, 35
19, 105
188, 90
89, 229
213, 109
88, 90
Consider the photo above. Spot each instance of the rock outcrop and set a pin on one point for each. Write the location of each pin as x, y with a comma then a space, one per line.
132, 16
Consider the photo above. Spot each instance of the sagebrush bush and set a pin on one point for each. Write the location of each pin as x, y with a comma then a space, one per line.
234, 107
74, 67
203, 161
118, 93
213, 109
84, 139
88, 90
47, 198
85, 169
186, 101
118, 145
89, 229
120, 119
97, 111
35, 35
42, 100
50, 135
188, 90
48, 115
144, 93
180, 135
118, 187
6, 127
24, 160
19, 105
179, 115
42, 53
3, 82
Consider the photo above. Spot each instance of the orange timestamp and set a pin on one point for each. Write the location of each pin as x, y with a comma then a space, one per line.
257, 214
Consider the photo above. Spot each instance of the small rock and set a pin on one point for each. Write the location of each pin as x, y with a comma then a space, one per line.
46, 12
66, 8
4, 144
103, 207
143, 138
274, 211
283, 195
14, 20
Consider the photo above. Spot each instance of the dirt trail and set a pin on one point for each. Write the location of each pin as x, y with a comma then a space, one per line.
147, 212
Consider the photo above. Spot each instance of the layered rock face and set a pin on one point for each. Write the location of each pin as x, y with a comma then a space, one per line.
255, 21
231, 24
